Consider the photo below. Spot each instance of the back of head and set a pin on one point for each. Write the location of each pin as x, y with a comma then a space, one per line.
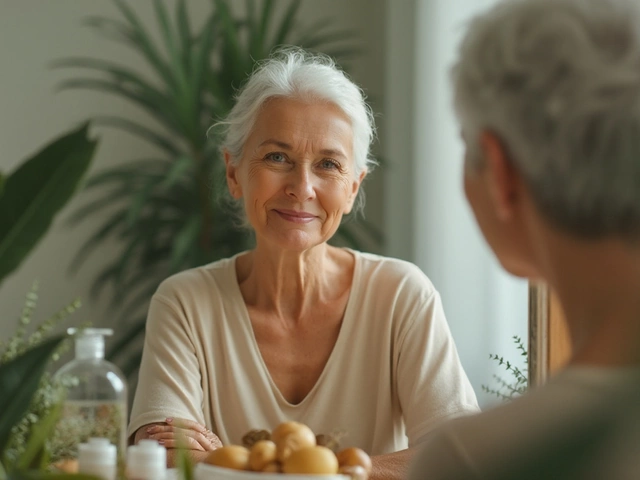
559, 82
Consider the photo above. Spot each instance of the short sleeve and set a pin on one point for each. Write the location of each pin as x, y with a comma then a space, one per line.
431, 382
169, 382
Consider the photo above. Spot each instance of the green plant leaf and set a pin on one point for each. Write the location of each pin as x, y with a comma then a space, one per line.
19, 380
287, 23
164, 142
132, 334
176, 66
184, 28
36, 191
145, 46
117, 220
142, 98
184, 241
111, 29
35, 445
265, 18
178, 170
139, 200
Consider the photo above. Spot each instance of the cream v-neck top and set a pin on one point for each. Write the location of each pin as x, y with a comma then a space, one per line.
392, 376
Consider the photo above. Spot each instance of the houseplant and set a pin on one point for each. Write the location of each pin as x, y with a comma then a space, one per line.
30, 198
508, 389
166, 211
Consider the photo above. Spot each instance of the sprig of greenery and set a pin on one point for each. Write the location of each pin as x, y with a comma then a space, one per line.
48, 393
509, 389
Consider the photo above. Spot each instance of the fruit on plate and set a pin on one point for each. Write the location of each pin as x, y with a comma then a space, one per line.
263, 454
353, 456
292, 448
290, 437
230, 456
316, 460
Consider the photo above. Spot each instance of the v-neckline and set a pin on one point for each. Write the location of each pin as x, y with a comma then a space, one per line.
344, 326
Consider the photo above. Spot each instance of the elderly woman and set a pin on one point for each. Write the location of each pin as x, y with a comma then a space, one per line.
548, 98
296, 329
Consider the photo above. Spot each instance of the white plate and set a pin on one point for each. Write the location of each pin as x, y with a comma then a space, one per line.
204, 471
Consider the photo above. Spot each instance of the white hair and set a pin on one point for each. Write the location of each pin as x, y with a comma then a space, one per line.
292, 72
559, 82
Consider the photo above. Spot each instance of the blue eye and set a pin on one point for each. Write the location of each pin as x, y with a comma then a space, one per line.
329, 164
276, 157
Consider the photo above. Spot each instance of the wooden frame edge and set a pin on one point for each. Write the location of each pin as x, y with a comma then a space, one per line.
538, 351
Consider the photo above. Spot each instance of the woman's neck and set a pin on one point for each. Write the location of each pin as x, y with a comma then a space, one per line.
288, 284
598, 284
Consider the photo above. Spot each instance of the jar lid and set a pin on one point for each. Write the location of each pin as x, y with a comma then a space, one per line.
147, 452
97, 451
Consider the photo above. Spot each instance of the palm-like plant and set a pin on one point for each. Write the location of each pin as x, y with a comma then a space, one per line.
164, 209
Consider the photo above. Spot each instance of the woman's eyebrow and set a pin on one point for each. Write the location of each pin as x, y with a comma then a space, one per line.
277, 143
330, 152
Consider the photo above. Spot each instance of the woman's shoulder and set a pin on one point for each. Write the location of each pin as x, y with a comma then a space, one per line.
198, 279
391, 270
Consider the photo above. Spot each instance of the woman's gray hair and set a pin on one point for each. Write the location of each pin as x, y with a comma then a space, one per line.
558, 81
292, 72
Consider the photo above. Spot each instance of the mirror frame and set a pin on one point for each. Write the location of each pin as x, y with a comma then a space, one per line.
538, 348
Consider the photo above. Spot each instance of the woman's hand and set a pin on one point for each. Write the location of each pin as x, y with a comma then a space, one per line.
180, 433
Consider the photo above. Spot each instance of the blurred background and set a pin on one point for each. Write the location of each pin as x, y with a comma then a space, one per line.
54, 76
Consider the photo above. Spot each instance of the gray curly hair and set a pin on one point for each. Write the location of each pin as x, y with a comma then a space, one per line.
559, 82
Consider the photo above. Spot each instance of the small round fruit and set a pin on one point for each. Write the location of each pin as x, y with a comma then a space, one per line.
253, 436
313, 460
286, 428
293, 436
273, 467
356, 472
354, 456
262, 453
230, 456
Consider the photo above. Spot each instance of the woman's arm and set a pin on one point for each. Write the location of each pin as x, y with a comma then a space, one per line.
180, 433
392, 466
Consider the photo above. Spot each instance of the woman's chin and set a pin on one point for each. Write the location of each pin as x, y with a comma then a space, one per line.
295, 240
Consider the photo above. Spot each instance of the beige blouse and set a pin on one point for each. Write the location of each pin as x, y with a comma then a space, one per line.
393, 375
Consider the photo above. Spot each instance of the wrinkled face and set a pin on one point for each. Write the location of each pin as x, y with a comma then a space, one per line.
297, 174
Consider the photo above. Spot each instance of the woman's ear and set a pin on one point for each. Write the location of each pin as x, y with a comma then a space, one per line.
232, 176
501, 175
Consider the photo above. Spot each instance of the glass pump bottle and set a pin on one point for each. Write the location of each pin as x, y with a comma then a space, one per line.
95, 397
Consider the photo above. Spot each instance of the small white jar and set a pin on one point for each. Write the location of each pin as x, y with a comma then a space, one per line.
98, 457
146, 461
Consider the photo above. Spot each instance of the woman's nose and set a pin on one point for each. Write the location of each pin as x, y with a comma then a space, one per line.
300, 184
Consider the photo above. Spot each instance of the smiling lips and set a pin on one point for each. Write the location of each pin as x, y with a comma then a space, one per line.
296, 217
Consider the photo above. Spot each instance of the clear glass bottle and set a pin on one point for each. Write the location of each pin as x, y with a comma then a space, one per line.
95, 397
